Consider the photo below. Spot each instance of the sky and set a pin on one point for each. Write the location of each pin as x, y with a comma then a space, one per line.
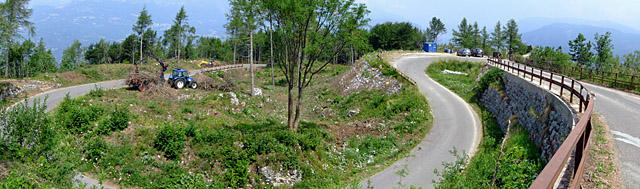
485, 12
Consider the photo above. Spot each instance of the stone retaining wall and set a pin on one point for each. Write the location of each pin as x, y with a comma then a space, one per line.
548, 118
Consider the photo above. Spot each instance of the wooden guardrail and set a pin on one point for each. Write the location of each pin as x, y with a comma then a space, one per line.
630, 82
578, 139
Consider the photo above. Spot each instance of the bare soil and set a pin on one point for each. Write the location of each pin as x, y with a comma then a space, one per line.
602, 167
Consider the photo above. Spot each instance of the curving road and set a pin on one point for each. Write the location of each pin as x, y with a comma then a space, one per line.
54, 97
455, 124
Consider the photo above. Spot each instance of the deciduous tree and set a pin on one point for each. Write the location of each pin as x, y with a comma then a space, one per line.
603, 48
435, 29
306, 30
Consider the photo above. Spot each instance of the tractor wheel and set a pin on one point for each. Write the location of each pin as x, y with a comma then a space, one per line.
179, 83
194, 85
170, 82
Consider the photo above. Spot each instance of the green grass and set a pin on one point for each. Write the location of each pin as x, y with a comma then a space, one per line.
204, 140
520, 160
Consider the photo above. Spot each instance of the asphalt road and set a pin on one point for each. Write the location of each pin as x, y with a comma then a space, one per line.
455, 125
54, 97
621, 110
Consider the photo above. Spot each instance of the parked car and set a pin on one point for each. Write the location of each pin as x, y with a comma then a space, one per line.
464, 52
477, 52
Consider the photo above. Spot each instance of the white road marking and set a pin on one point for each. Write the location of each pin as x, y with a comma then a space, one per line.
626, 138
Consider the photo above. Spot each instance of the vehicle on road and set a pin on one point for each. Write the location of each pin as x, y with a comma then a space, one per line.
463, 52
179, 79
205, 64
477, 52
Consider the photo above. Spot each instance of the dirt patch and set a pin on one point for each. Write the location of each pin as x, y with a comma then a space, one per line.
363, 127
72, 77
602, 167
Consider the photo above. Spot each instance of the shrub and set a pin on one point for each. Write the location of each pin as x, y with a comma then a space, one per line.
286, 137
26, 129
76, 117
236, 162
117, 121
95, 149
493, 76
18, 181
170, 140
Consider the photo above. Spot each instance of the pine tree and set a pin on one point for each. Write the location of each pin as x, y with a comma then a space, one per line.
142, 26
15, 16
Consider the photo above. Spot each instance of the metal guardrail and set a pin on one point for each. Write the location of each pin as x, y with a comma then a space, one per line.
578, 139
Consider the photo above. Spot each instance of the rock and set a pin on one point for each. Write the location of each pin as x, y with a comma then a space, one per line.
257, 92
289, 178
453, 72
327, 113
234, 98
353, 112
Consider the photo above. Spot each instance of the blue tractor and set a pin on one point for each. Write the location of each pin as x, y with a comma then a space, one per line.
179, 79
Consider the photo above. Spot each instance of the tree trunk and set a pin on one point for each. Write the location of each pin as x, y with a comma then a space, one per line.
251, 61
141, 46
273, 81
296, 121
6, 64
179, 43
353, 58
290, 105
234, 52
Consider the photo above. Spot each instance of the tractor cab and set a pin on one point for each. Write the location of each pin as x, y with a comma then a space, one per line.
178, 73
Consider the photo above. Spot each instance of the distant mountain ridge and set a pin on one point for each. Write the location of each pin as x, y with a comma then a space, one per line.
90, 21
559, 34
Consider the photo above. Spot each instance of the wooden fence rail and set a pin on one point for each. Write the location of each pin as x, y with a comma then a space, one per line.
577, 142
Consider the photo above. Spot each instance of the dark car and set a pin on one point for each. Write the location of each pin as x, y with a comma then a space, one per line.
477, 52
464, 52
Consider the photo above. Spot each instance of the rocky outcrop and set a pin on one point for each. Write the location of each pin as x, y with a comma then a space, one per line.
8, 90
364, 77
547, 118
289, 178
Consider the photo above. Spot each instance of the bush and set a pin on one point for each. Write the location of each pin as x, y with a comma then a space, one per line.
26, 129
236, 162
170, 140
18, 181
492, 77
95, 149
117, 121
76, 117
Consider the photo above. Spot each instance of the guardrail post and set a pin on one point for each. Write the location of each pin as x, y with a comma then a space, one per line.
562, 86
531, 74
582, 97
632, 87
615, 81
540, 78
550, 80
572, 89
518, 69
602, 80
